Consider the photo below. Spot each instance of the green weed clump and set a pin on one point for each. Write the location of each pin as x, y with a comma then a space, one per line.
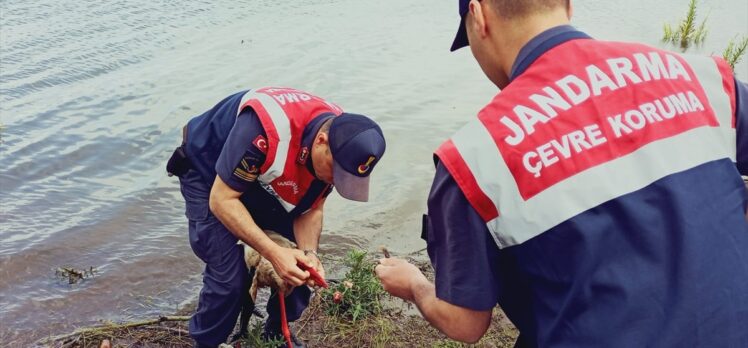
254, 338
359, 294
735, 51
687, 32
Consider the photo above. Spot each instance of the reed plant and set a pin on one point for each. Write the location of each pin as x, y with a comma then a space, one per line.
735, 50
687, 32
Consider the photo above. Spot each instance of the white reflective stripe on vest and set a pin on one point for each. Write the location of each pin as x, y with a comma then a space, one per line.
247, 96
521, 220
708, 74
283, 128
502, 189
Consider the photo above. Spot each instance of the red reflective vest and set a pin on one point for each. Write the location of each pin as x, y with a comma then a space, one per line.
284, 113
563, 138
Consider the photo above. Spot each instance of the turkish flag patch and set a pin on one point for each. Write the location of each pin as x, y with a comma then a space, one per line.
261, 143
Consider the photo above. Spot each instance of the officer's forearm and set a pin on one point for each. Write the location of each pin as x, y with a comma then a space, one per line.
307, 229
458, 323
225, 205
235, 217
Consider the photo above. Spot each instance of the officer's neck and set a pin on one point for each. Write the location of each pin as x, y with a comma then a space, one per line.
511, 35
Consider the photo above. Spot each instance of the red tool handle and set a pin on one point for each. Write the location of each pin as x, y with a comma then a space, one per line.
314, 275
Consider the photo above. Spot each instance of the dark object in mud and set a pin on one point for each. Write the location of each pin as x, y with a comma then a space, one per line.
74, 275
384, 251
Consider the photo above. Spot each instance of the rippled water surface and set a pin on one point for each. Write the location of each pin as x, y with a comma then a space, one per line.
92, 95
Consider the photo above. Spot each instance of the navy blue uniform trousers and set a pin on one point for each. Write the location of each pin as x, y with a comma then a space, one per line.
225, 278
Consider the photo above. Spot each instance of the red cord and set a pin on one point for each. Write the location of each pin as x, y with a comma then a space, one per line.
284, 320
281, 297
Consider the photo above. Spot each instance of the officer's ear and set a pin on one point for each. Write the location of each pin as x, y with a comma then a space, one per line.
321, 139
478, 19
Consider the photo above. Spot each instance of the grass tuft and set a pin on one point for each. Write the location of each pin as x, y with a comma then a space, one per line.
254, 338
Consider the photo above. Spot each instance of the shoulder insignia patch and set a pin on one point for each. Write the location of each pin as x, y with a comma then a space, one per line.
247, 172
303, 155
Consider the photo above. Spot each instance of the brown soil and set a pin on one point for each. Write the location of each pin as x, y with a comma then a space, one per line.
393, 328
399, 325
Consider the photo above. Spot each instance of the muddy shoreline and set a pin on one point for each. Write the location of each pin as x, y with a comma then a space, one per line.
398, 325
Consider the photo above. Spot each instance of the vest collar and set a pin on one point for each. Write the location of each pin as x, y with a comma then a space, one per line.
542, 43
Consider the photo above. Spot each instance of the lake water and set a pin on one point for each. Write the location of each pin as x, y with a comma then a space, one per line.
93, 94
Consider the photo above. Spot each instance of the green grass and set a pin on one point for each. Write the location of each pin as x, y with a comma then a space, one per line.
254, 338
447, 343
371, 331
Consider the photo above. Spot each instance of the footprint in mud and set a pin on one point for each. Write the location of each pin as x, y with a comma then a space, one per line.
372, 225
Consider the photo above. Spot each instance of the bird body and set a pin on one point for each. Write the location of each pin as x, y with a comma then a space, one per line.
265, 275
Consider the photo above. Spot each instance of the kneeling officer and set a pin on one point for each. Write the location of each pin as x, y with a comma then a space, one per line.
266, 159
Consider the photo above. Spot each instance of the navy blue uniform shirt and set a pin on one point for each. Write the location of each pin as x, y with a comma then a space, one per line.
220, 143
470, 270
240, 156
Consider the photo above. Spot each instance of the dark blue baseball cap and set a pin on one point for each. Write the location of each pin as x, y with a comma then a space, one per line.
357, 144
461, 39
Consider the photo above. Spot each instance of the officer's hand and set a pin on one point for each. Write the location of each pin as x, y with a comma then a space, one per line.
398, 277
317, 265
284, 262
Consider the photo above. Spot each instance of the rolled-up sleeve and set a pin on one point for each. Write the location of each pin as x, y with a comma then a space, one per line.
461, 249
240, 160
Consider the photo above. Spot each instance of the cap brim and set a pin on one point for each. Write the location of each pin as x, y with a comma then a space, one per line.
355, 188
461, 39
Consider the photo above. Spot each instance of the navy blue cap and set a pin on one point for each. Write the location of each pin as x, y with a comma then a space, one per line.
461, 39
357, 144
